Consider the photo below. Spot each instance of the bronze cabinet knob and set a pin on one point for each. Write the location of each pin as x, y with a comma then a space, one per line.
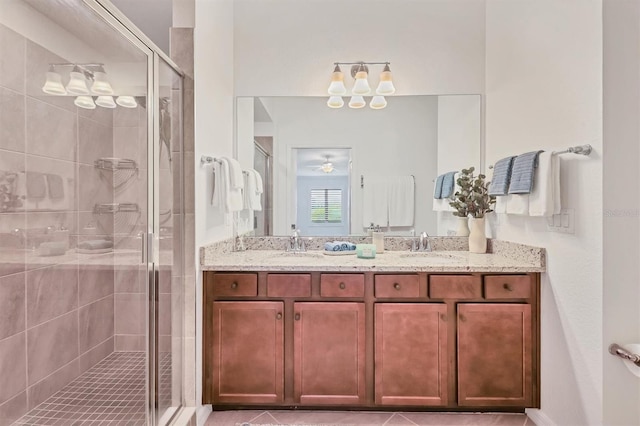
297, 316
234, 285
507, 287
342, 286
396, 286
279, 315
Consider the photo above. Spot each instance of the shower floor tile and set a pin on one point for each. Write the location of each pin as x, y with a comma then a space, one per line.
110, 393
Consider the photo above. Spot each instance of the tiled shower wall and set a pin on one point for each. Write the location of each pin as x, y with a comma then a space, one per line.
56, 312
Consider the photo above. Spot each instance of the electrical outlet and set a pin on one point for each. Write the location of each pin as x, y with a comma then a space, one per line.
564, 222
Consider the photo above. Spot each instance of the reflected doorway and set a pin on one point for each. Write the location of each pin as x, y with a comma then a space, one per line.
323, 191
262, 163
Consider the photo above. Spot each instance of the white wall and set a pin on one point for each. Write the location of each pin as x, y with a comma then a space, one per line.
459, 143
288, 47
621, 292
214, 118
544, 90
398, 140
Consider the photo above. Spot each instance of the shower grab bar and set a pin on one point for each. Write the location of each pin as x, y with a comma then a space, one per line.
617, 350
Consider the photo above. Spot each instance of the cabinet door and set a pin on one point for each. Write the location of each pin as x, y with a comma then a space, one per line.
329, 353
248, 352
494, 355
411, 362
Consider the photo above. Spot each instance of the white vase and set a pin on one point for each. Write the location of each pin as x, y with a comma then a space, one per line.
463, 227
477, 236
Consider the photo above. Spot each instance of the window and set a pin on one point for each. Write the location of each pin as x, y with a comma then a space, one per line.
326, 205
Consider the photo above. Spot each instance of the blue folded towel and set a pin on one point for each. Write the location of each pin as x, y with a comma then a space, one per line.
339, 246
501, 176
448, 183
437, 192
332, 246
523, 172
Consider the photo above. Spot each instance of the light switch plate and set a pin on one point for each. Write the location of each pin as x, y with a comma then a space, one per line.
563, 222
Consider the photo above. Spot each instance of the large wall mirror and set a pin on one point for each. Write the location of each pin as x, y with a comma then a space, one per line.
333, 171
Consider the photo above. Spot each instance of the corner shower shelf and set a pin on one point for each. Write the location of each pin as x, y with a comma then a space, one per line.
123, 169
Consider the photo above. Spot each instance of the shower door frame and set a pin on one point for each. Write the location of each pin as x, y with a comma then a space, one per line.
151, 240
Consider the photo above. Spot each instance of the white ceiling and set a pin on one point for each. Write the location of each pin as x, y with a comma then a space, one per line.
309, 161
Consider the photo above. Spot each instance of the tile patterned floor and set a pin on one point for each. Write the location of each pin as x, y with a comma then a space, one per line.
110, 393
362, 418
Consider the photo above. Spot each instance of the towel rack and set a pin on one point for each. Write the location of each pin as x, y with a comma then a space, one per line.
578, 149
205, 160
362, 180
617, 350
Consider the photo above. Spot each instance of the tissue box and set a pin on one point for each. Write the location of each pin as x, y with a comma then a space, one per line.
366, 251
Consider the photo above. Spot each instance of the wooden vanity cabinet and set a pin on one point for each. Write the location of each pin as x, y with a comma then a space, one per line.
329, 353
411, 354
248, 352
433, 340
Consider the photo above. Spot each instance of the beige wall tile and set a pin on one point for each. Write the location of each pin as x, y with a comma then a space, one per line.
12, 46
12, 366
97, 354
92, 190
190, 306
100, 115
40, 391
51, 345
189, 184
94, 141
13, 409
51, 131
12, 305
125, 343
51, 292
127, 279
94, 283
11, 120
96, 323
130, 313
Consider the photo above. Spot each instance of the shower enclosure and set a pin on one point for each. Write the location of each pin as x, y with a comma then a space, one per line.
91, 218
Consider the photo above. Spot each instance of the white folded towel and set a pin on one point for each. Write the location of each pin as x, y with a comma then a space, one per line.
542, 199
518, 204
501, 204
401, 200
259, 183
375, 201
236, 180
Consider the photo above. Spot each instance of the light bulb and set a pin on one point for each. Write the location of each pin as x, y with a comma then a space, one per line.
77, 83
105, 102
85, 102
385, 87
126, 101
335, 102
378, 102
361, 87
357, 102
53, 85
101, 85
337, 82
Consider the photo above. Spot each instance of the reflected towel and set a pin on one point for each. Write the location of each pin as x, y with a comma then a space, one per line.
55, 185
375, 201
251, 194
437, 190
523, 173
501, 176
448, 184
518, 204
36, 187
95, 244
542, 200
236, 179
401, 200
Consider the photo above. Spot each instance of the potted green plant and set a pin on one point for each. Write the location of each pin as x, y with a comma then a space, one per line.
473, 199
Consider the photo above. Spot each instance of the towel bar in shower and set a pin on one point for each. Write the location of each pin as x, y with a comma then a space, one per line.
617, 350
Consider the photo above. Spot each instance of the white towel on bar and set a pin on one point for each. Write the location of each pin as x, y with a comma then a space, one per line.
236, 180
251, 194
542, 199
224, 195
401, 200
259, 183
375, 201
502, 204
518, 204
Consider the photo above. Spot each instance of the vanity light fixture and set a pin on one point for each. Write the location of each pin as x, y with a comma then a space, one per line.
126, 101
77, 82
101, 85
360, 72
53, 85
85, 102
105, 102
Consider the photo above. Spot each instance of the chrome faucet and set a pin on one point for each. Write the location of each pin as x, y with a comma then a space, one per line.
296, 244
424, 244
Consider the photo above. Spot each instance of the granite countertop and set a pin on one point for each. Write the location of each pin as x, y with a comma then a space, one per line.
506, 257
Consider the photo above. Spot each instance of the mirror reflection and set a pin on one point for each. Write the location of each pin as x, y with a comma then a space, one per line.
337, 171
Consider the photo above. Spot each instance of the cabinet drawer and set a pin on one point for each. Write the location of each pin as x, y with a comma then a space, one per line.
455, 287
397, 286
342, 285
507, 287
235, 285
289, 285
